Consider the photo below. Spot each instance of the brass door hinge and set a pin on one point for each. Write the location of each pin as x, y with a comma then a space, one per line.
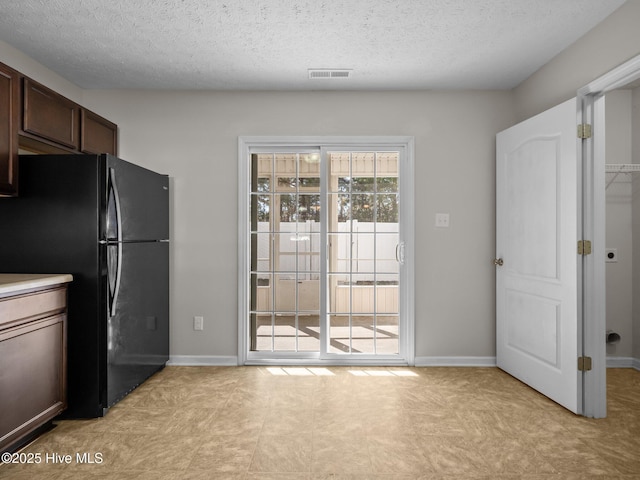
584, 130
584, 364
584, 247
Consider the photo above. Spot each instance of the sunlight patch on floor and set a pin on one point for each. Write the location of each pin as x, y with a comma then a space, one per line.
300, 371
383, 373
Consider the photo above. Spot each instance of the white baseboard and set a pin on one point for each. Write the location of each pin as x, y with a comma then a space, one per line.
232, 361
621, 362
455, 361
203, 361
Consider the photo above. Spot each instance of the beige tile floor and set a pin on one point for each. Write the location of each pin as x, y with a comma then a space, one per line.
340, 423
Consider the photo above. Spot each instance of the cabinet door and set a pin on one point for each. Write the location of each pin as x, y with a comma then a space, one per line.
49, 115
97, 134
9, 104
33, 381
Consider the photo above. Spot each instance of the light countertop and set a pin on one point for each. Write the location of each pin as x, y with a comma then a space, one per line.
14, 282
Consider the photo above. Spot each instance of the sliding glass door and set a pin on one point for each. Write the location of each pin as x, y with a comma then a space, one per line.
325, 274
285, 252
363, 226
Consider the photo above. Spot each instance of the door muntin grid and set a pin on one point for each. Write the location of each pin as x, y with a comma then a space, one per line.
359, 206
285, 252
363, 235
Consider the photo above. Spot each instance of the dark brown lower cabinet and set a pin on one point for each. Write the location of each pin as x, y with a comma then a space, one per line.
33, 336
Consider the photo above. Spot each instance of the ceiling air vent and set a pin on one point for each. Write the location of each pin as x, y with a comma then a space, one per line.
326, 73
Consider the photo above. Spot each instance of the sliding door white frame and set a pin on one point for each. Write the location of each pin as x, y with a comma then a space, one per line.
257, 144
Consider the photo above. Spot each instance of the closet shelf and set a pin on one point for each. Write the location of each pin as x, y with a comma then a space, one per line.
622, 167
618, 168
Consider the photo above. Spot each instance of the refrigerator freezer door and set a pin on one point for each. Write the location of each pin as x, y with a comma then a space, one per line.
137, 202
138, 330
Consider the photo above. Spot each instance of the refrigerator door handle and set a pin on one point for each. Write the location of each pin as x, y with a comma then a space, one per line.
116, 200
114, 284
114, 274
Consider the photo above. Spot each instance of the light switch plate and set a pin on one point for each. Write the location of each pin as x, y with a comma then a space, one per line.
442, 220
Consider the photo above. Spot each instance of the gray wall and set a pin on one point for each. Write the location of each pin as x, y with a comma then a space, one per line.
612, 42
192, 136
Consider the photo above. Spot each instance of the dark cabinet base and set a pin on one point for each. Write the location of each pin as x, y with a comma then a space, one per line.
29, 437
33, 358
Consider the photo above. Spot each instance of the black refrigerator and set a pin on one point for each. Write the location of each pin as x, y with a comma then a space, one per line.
105, 221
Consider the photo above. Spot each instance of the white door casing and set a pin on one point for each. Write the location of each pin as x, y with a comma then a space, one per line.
537, 205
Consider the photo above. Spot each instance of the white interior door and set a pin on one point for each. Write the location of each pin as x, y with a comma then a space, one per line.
536, 240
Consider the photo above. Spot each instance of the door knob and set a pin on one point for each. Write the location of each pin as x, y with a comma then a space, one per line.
498, 262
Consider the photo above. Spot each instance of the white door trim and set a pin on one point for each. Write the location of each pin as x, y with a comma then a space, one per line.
591, 97
406, 143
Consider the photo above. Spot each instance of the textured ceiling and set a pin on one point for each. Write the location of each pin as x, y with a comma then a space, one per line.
270, 44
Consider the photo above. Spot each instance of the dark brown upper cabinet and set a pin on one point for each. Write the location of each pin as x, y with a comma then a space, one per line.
36, 119
9, 125
49, 115
97, 134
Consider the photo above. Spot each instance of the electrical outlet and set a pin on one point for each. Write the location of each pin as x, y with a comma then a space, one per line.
198, 323
442, 220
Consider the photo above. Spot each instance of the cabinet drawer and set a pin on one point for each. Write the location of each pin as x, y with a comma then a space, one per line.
21, 307
49, 115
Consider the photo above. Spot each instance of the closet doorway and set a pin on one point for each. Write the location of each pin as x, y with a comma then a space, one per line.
610, 205
622, 231
327, 228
